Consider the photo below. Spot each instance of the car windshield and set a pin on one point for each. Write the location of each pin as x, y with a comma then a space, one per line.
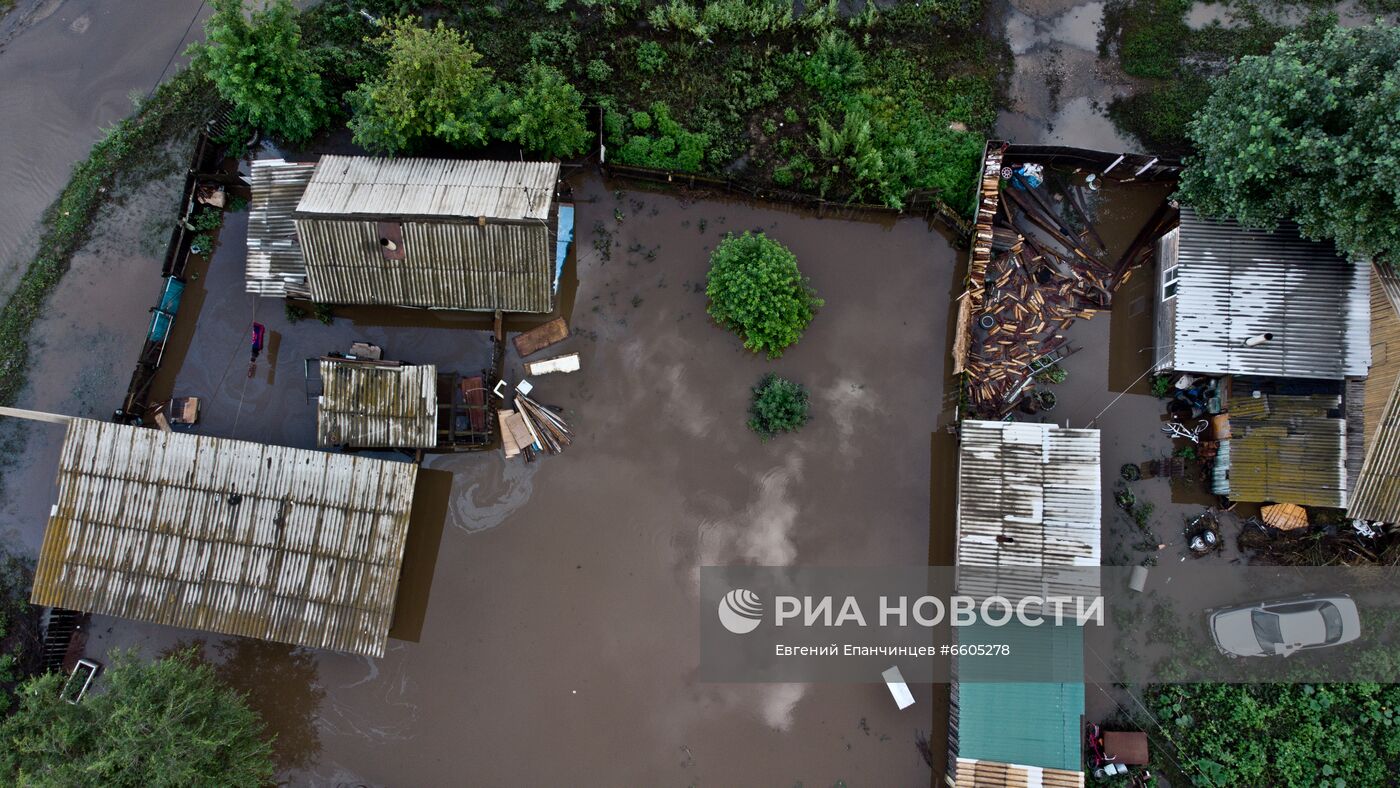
1266, 630
1332, 617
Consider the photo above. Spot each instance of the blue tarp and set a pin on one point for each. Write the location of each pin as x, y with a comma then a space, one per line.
165, 311
566, 237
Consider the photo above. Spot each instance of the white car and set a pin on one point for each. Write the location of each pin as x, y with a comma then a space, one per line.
1267, 629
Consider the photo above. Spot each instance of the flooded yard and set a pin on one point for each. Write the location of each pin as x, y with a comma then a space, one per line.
563, 592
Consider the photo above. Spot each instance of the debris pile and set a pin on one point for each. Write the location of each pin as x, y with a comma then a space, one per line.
1038, 263
530, 428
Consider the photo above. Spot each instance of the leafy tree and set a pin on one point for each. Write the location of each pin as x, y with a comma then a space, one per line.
545, 113
257, 64
1308, 133
431, 87
163, 723
779, 405
756, 291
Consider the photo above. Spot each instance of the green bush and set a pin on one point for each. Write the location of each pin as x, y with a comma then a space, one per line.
837, 65
778, 405
258, 65
545, 113
431, 87
673, 147
756, 291
651, 58
599, 71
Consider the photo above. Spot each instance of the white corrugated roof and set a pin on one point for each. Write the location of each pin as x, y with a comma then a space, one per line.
1038, 486
1235, 283
275, 266
371, 186
228, 536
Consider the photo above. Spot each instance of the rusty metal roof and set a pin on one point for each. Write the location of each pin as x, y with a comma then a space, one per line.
227, 536
275, 266
445, 265
1036, 486
1286, 447
972, 773
377, 406
366, 186
1235, 283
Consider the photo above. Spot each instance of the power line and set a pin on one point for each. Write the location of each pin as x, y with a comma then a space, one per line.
178, 46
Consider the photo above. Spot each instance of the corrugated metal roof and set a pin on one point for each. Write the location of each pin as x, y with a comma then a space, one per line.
375, 406
1286, 448
378, 187
275, 266
228, 536
1021, 722
1236, 283
1039, 486
990, 774
446, 265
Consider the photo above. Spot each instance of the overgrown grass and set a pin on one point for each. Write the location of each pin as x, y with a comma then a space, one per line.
1151, 40
128, 148
867, 109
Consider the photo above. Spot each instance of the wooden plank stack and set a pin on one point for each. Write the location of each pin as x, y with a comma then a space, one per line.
532, 429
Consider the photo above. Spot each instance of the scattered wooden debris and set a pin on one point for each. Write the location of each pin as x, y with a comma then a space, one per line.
541, 337
1038, 264
568, 362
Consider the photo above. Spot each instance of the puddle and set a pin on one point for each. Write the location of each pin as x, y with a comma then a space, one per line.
1060, 86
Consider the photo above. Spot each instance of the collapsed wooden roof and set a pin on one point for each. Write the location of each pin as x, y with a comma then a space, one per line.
375, 406
227, 536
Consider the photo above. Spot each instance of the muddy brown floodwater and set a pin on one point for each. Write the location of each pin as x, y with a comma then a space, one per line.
69, 68
552, 629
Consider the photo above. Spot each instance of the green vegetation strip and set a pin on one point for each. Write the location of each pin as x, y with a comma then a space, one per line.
128, 148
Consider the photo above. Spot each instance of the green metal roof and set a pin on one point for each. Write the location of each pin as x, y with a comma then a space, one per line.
1027, 723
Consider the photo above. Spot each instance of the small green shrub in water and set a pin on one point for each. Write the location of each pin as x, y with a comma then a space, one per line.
1161, 386
323, 313
756, 291
779, 405
292, 312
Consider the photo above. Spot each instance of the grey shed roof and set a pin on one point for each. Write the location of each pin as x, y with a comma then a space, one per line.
446, 265
227, 536
1235, 283
275, 266
377, 406
1038, 487
364, 186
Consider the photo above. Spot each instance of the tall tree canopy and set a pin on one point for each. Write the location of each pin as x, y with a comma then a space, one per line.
163, 723
257, 64
431, 87
1309, 133
545, 113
